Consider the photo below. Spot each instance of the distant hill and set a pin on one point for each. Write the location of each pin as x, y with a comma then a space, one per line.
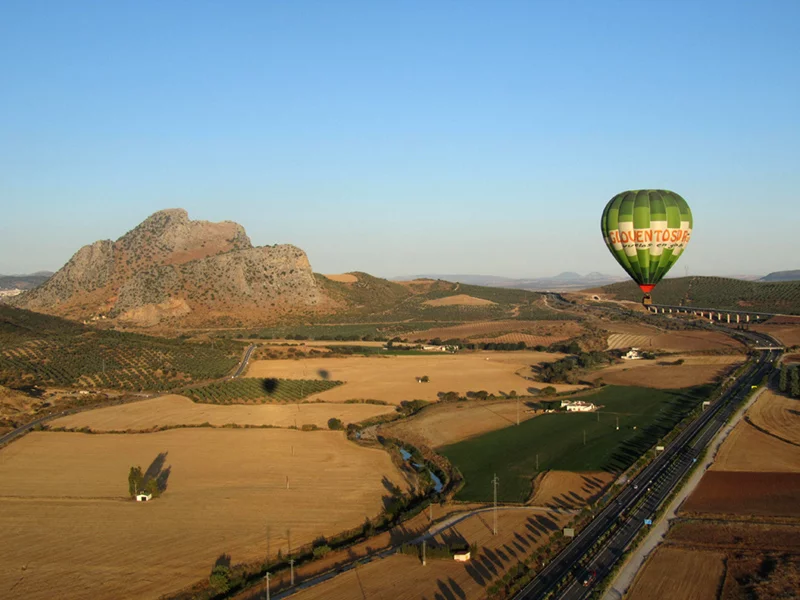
38, 349
717, 292
563, 282
170, 270
782, 276
23, 282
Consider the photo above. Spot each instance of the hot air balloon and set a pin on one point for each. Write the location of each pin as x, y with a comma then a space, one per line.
646, 231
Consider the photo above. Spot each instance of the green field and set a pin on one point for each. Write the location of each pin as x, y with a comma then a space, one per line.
558, 439
249, 389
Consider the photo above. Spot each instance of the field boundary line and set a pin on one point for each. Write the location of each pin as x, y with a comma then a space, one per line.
633, 566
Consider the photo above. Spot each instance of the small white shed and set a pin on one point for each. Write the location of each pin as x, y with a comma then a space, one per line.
143, 497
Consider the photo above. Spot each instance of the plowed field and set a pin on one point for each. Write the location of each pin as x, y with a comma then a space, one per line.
179, 410
748, 449
673, 573
695, 370
746, 493
394, 378
676, 341
68, 526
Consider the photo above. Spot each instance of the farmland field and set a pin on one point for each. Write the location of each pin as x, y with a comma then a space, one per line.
676, 341
179, 410
459, 300
68, 526
248, 389
679, 573
401, 577
558, 439
553, 331
778, 414
695, 370
566, 489
746, 493
788, 335
393, 378
748, 449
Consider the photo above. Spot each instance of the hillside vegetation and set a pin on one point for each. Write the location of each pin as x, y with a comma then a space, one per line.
38, 349
718, 292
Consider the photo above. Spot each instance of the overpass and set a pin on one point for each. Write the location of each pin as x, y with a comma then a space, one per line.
720, 314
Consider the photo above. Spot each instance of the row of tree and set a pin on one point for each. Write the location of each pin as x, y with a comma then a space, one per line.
789, 381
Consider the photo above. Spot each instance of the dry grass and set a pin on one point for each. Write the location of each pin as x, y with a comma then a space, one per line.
400, 577
789, 335
696, 370
554, 331
343, 278
778, 414
678, 573
393, 378
748, 449
67, 525
459, 300
567, 489
179, 410
452, 422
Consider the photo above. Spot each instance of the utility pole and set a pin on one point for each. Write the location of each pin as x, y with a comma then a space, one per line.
291, 571
617, 423
517, 410
598, 416
584, 437
423, 553
495, 482
266, 581
268, 552
430, 512
537, 461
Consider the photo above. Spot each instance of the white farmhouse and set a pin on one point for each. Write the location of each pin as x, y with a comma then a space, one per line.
143, 497
577, 406
633, 354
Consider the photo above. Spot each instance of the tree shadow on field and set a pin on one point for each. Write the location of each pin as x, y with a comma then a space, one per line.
156, 472
223, 560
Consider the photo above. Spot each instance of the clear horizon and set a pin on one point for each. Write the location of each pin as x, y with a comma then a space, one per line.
478, 138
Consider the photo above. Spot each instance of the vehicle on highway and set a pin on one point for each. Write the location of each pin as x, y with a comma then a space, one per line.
589, 578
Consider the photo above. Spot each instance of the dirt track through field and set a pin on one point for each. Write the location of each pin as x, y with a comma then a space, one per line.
68, 526
179, 410
393, 378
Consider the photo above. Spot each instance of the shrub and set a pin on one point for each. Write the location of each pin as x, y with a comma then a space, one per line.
335, 424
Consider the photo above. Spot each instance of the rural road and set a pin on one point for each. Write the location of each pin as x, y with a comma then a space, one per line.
243, 364
601, 543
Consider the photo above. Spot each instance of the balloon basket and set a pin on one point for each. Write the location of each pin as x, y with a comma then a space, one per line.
647, 300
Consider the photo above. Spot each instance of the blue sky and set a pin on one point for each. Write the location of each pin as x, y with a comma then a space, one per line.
402, 137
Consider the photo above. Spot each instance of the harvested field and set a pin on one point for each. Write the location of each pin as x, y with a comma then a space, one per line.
736, 535
678, 573
763, 576
554, 331
393, 378
179, 410
455, 421
695, 370
746, 493
748, 449
676, 341
343, 278
220, 494
778, 414
402, 577
459, 300
788, 335
567, 489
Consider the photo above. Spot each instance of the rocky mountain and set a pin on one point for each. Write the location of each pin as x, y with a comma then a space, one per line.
563, 282
170, 270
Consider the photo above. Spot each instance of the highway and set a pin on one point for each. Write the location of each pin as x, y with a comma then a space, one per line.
600, 544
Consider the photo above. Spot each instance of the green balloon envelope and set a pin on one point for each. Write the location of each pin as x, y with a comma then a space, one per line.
646, 231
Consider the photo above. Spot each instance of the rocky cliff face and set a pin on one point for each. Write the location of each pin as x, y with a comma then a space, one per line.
170, 270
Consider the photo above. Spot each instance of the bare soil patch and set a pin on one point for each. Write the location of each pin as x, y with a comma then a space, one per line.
555, 331
736, 535
68, 526
748, 449
567, 489
676, 341
180, 410
394, 378
459, 300
679, 573
777, 414
343, 278
695, 370
788, 335
746, 493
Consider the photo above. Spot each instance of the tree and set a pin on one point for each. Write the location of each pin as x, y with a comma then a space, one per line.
335, 424
220, 578
783, 385
424, 379
135, 479
795, 382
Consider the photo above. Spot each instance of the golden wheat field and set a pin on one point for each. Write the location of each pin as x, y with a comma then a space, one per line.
550, 331
68, 526
179, 410
393, 378
459, 300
